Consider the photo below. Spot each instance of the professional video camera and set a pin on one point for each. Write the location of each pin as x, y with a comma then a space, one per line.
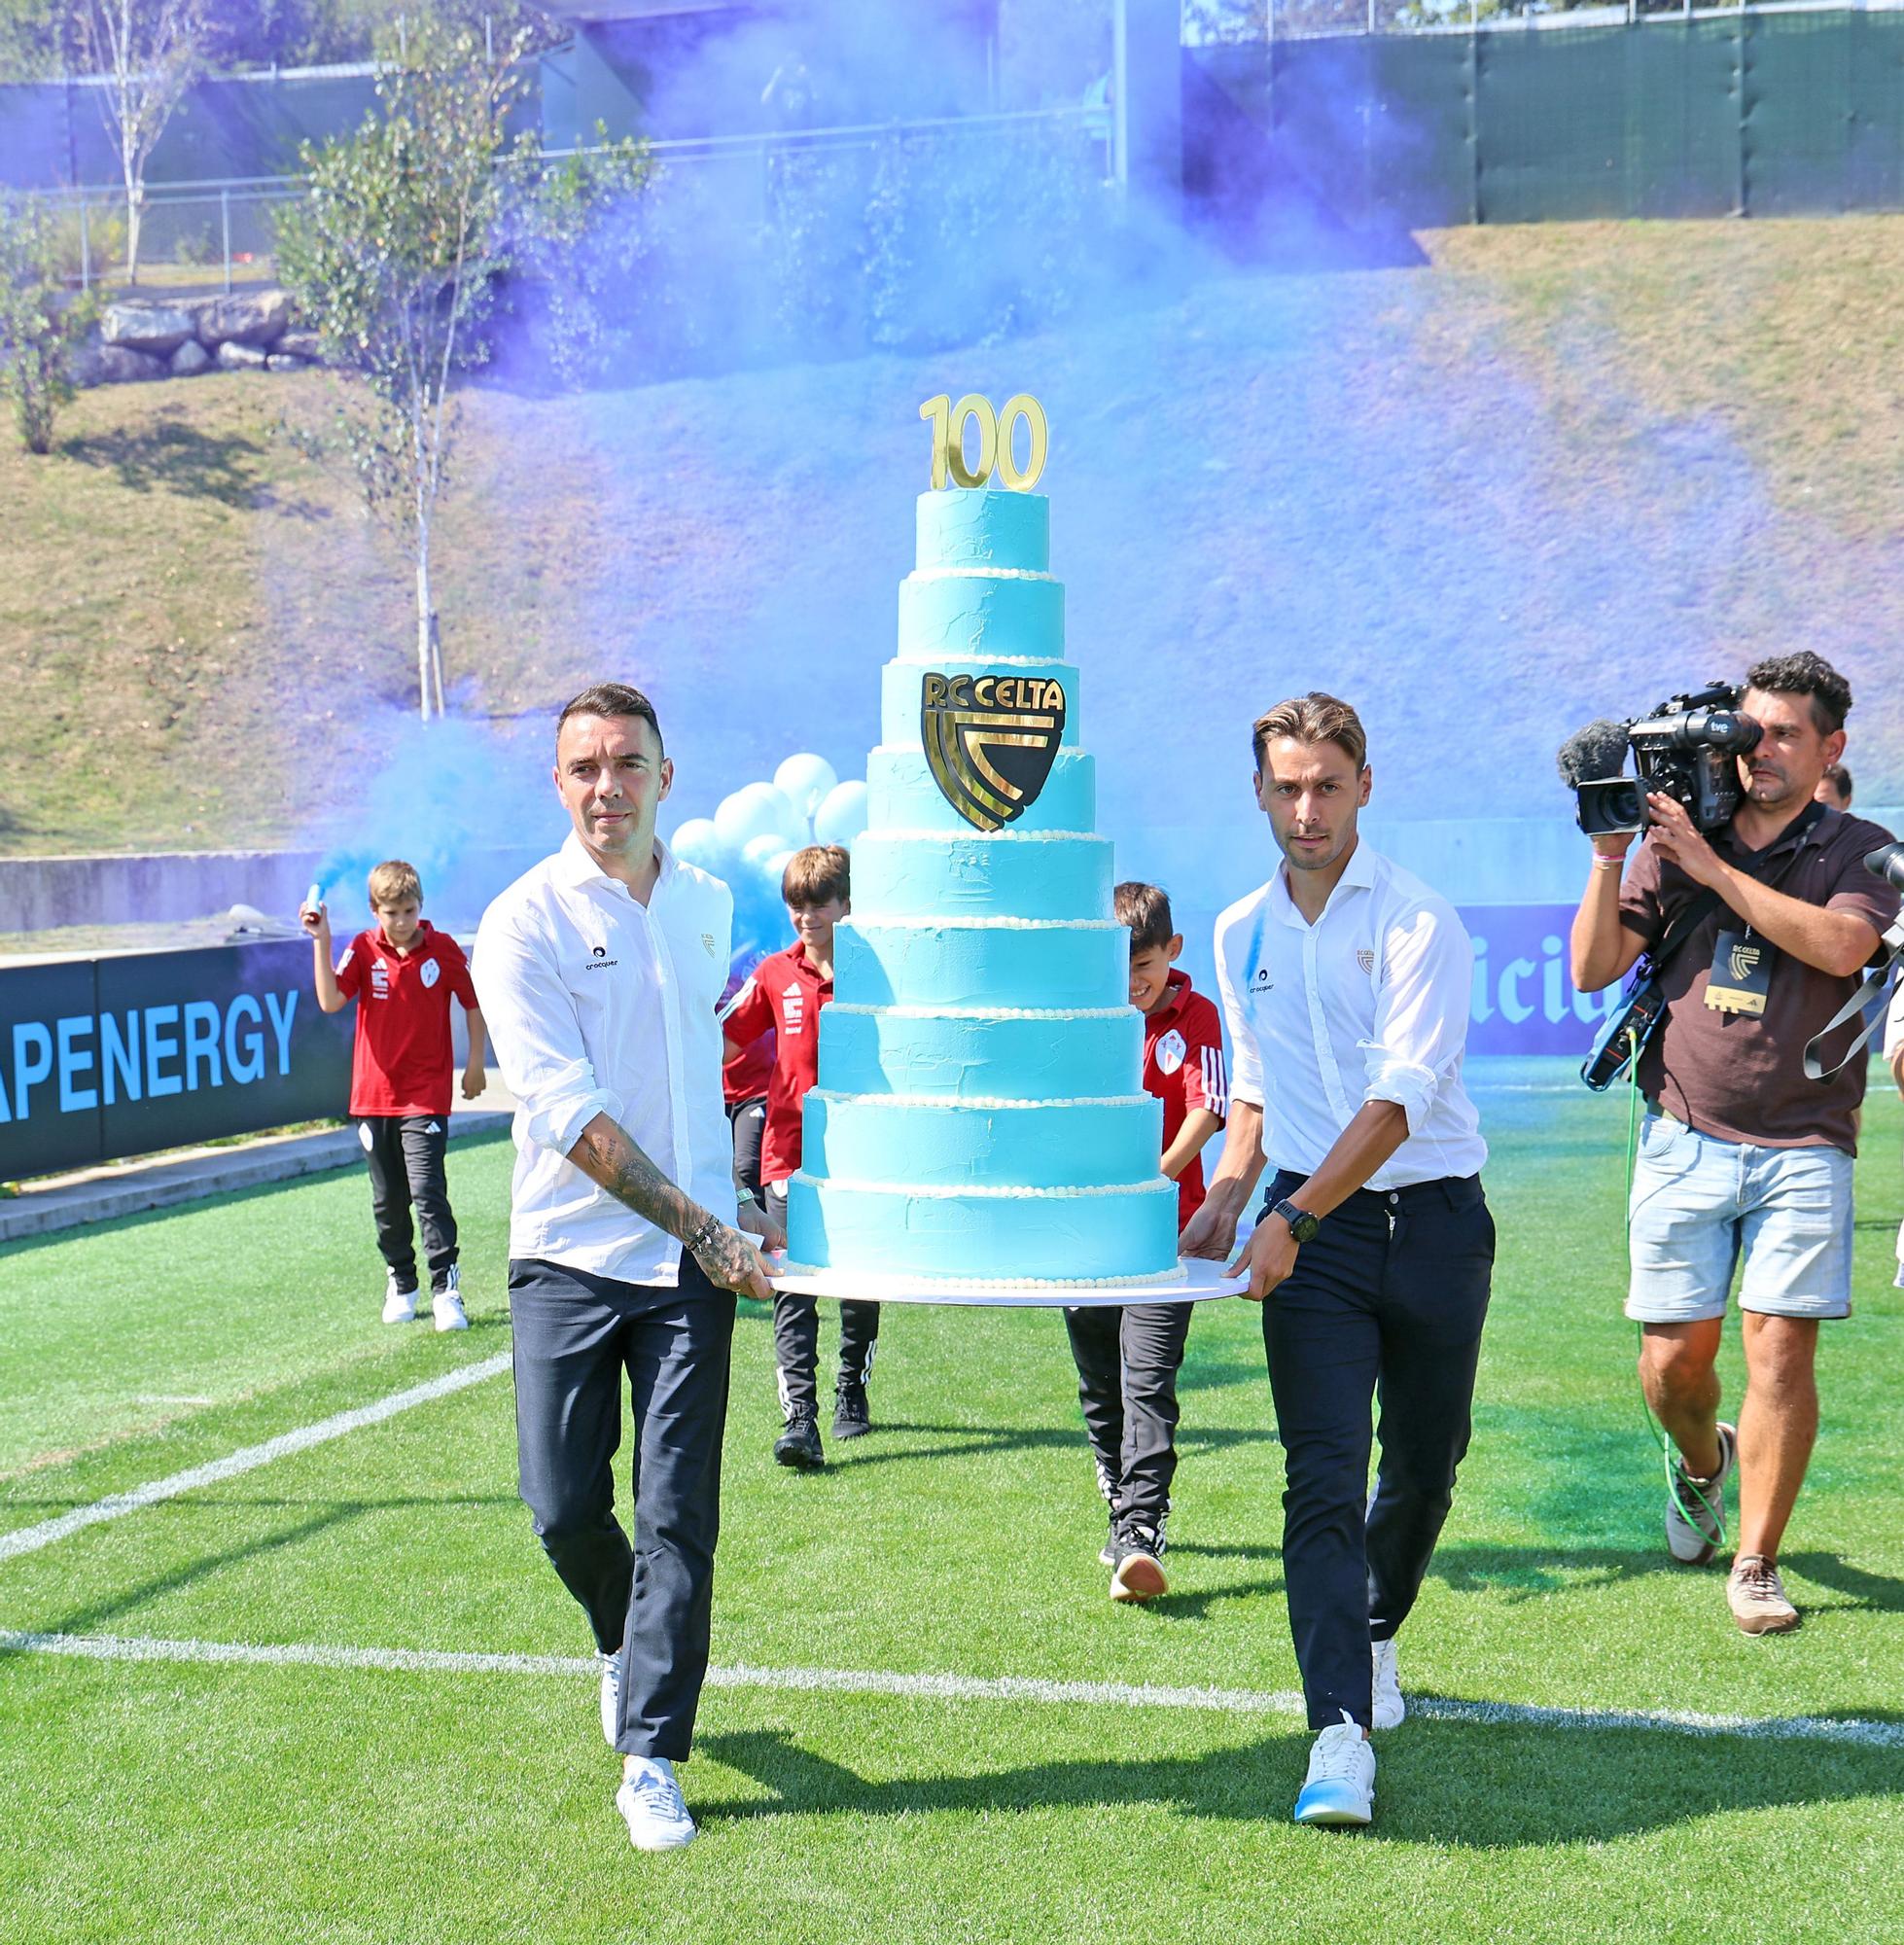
1685, 749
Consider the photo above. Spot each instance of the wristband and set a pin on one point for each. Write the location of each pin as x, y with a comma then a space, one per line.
1602, 862
695, 1244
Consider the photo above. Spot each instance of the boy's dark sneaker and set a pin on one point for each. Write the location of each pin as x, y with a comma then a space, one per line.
1136, 1571
798, 1446
1107, 1552
851, 1417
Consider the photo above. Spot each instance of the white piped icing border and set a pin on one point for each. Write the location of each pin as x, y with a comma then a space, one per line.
990, 1103
1157, 1278
986, 1013
954, 924
899, 831
989, 1191
923, 659
977, 573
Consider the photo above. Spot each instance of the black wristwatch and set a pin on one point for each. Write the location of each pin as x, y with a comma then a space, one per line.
1302, 1225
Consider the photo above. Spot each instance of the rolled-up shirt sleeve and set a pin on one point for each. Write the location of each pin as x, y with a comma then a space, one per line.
535, 1035
1245, 1060
1421, 1011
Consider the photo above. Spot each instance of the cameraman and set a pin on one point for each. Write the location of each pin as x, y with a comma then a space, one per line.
1740, 1151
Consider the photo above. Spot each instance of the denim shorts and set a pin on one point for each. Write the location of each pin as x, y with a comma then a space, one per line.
1699, 1203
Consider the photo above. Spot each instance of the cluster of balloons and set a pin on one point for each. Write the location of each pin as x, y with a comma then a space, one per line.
754, 831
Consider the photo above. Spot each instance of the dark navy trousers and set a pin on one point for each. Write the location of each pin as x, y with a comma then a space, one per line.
1384, 1308
576, 1338
1127, 1358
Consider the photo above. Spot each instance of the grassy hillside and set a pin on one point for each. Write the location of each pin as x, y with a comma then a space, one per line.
1552, 476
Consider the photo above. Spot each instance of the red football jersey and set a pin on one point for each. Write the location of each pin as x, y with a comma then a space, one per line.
745, 1077
782, 994
403, 1060
1184, 1068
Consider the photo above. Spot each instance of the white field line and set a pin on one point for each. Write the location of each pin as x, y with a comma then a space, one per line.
953, 1688
30, 1539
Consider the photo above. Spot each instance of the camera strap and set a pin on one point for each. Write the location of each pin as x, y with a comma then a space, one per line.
1872, 986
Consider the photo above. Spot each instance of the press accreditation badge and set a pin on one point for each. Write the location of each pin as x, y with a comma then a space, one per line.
1741, 974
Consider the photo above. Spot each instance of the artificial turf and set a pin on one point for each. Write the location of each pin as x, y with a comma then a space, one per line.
168, 1801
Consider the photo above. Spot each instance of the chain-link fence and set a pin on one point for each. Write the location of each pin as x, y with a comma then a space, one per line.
193, 235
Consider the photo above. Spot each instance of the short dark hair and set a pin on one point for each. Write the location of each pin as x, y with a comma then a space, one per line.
1314, 718
817, 875
1145, 909
1840, 780
611, 698
1806, 674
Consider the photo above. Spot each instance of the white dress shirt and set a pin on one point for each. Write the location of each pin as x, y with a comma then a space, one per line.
599, 1004
1369, 1003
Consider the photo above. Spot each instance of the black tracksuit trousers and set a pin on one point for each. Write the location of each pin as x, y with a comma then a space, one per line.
796, 1335
576, 1336
407, 1157
1386, 1305
1127, 1358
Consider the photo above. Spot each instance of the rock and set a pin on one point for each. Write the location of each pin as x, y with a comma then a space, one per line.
233, 357
118, 365
190, 359
280, 361
246, 317
304, 344
157, 327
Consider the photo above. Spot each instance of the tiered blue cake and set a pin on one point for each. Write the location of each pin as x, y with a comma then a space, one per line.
981, 1116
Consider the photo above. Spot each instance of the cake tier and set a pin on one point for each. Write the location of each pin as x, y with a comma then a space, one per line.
1005, 874
940, 962
966, 527
902, 793
949, 612
936, 1143
901, 692
1071, 1054
1068, 1235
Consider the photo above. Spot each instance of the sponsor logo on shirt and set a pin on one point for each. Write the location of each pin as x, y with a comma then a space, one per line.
379, 979
432, 972
1259, 980
598, 960
1171, 1050
794, 1003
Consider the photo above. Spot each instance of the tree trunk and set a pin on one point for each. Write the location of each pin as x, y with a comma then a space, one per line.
135, 195
424, 657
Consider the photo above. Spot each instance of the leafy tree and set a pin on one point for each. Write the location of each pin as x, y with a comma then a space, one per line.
395, 259
147, 53
39, 323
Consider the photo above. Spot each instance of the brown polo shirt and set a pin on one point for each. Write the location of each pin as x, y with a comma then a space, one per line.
1742, 1076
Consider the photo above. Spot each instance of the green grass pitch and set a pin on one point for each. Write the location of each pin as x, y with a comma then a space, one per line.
168, 1800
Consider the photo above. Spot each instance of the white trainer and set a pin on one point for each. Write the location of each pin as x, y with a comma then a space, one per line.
1339, 1792
446, 1306
649, 1803
611, 1696
1695, 1508
1389, 1709
398, 1304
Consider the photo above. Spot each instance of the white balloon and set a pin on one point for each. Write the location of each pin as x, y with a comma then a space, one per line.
699, 842
758, 850
842, 814
804, 779
755, 810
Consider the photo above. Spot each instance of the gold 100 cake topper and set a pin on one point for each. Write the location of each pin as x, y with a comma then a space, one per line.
995, 430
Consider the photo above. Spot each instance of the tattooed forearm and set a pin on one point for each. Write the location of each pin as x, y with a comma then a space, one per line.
608, 1155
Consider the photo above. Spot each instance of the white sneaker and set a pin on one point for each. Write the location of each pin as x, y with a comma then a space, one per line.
611, 1696
650, 1802
1695, 1508
1389, 1709
399, 1305
1340, 1788
446, 1306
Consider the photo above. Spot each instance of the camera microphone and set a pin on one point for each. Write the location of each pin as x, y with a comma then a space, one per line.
1591, 754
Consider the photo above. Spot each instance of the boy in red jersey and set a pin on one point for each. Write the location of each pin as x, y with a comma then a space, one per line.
401, 972
1128, 1356
785, 993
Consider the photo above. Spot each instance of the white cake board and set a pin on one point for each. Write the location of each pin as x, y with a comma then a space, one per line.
1196, 1279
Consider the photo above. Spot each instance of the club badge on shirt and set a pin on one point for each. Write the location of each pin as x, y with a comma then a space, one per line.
432, 972
1170, 1051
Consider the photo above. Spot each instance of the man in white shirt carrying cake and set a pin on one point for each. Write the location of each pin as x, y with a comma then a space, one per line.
599, 972
1345, 982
